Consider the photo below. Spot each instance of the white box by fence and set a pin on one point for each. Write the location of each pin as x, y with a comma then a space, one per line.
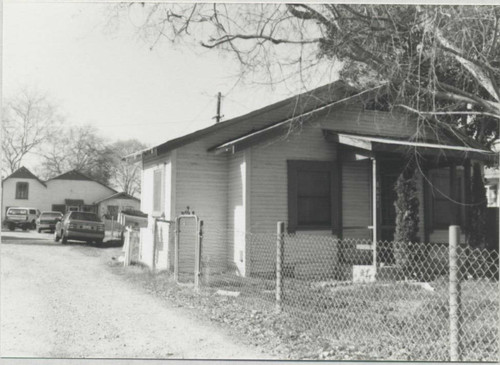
363, 273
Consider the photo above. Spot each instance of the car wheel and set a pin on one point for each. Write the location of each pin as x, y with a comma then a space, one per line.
25, 228
56, 237
12, 226
33, 225
64, 239
39, 230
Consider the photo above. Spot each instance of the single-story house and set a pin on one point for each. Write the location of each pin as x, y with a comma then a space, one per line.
324, 161
70, 191
112, 205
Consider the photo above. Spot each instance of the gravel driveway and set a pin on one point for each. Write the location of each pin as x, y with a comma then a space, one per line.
61, 301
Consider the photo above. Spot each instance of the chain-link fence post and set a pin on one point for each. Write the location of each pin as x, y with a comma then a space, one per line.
279, 264
455, 302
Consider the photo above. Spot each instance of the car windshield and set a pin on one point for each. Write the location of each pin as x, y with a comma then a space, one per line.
18, 211
83, 216
51, 215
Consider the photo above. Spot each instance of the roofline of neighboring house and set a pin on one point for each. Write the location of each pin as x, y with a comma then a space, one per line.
127, 196
194, 136
81, 173
34, 177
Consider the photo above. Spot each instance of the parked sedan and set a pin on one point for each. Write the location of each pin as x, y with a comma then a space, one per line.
48, 221
81, 226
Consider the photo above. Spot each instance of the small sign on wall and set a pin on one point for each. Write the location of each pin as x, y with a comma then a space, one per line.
363, 273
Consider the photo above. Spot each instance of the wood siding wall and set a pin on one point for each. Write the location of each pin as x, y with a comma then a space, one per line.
354, 119
201, 183
268, 190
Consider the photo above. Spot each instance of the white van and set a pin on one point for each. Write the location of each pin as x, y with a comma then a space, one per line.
21, 217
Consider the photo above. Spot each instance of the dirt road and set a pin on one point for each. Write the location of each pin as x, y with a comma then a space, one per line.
61, 301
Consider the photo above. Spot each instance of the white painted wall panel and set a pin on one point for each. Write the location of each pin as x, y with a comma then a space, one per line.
38, 195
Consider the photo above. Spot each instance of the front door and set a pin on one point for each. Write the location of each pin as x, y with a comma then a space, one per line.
388, 197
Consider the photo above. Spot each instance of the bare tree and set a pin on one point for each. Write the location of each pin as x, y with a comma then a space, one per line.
28, 121
77, 148
440, 62
126, 177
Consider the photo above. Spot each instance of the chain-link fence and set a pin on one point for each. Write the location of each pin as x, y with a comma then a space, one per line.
394, 300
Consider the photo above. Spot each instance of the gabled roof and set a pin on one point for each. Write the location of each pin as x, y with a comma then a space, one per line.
24, 173
274, 120
121, 195
79, 176
72, 175
260, 118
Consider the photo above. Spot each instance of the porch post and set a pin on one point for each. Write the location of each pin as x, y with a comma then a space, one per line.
374, 211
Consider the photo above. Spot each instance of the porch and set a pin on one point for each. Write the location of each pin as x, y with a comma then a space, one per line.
369, 167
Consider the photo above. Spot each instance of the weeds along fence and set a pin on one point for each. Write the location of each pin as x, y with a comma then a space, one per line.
407, 302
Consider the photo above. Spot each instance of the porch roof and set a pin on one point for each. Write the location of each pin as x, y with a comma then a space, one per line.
379, 144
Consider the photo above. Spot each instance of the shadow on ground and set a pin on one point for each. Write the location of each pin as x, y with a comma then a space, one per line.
45, 242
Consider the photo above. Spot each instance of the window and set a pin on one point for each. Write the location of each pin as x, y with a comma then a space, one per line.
59, 208
157, 191
113, 211
22, 190
312, 195
88, 208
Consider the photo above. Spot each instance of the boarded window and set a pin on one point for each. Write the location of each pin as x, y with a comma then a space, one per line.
22, 190
312, 195
157, 196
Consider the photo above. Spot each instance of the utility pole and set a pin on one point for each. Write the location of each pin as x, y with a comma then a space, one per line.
218, 117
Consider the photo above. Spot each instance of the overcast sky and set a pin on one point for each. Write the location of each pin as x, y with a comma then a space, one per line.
113, 80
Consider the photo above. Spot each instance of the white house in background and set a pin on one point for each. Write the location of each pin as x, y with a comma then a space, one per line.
71, 191
116, 203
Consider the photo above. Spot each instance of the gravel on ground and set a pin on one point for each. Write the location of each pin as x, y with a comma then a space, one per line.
62, 301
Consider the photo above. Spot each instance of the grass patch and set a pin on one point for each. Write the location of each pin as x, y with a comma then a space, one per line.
376, 321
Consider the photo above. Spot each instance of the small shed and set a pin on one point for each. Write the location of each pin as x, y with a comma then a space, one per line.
112, 205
